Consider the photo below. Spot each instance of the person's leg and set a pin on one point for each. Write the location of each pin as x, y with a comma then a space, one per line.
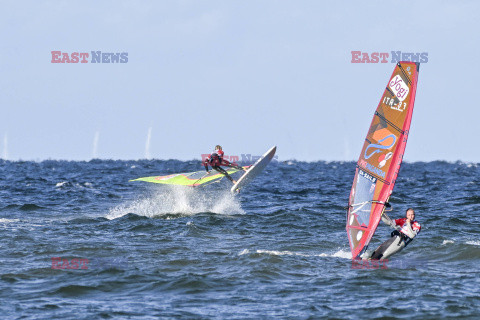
388, 248
225, 173
231, 165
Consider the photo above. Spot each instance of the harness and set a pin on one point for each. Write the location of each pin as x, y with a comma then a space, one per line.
403, 237
215, 159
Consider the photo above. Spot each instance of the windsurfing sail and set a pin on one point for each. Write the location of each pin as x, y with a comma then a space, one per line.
381, 157
190, 179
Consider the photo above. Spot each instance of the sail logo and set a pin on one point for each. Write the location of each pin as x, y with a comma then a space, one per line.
383, 159
379, 147
385, 141
399, 87
377, 171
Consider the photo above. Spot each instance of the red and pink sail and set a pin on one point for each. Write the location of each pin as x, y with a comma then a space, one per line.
381, 156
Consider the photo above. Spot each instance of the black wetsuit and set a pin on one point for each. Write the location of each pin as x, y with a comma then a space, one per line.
215, 161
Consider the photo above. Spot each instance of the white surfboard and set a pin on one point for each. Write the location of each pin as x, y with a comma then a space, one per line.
254, 170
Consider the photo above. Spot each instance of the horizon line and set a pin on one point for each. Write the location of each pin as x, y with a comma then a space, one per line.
38, 160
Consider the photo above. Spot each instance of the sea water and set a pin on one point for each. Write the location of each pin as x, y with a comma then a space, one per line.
79, 241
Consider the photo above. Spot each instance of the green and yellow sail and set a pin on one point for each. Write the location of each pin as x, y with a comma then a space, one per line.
190, 179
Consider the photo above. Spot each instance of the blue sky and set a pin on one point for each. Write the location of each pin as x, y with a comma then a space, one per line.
243, 74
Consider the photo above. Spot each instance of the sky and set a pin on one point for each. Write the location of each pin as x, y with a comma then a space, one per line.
244, 74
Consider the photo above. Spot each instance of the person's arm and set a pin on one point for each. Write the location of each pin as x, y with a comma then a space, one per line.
205, 164
416, 227
387, 220
408, 230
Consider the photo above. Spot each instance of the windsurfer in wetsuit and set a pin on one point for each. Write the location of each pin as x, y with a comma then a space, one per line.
406, 229
215, 160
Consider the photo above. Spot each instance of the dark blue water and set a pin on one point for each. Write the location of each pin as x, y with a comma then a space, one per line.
276, 251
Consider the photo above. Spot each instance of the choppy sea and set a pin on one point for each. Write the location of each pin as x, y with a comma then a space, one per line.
79, 241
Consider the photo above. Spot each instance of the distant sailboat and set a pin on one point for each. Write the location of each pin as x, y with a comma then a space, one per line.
147, 144
95, 145
5, 147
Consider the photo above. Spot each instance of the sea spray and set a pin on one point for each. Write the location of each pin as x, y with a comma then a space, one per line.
181, 201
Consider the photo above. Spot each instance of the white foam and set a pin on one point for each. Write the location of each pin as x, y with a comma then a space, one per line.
339, 254
61, 184
285, 253
3, 220
445, 242
342, 254
473, 243
244, 251
182, 201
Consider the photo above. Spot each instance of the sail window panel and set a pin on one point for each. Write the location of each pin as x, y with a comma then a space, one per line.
362, 205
